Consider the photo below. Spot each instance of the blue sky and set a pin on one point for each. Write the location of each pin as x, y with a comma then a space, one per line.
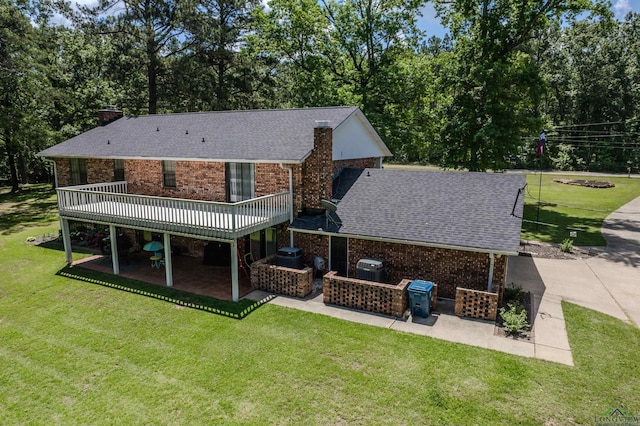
431, 25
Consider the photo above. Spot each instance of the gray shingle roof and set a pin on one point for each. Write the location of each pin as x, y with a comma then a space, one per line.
270, 135
465, 210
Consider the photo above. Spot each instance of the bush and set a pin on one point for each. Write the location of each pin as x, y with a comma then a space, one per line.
513, 292
567, 246
514, 319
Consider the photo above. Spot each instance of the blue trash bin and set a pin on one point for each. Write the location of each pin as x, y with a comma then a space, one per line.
420, 297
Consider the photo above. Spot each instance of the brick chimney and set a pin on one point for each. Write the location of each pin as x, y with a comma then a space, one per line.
108, 114
317, 170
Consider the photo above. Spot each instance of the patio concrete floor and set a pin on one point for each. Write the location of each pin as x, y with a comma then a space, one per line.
189, 274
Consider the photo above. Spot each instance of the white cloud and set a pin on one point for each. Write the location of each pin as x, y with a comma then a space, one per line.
621, 8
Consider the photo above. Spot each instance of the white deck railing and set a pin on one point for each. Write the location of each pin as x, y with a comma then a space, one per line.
110, 204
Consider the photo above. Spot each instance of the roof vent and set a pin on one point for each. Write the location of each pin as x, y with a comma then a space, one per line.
323, 124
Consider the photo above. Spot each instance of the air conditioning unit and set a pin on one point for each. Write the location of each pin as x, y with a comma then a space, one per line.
370, 270
290, 257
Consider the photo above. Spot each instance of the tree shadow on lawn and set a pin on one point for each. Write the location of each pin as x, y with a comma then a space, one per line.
588, 229
237, 310
31, 205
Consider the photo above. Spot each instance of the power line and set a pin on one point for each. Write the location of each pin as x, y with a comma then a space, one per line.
594, 124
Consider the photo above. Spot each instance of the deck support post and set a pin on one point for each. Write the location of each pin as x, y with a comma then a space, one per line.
66, 239
113, 239
234, 270
168, 268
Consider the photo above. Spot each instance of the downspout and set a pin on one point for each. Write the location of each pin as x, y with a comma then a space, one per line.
491, 265
290, 201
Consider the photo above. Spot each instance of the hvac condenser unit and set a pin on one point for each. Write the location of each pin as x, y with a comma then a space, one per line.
370, 270
291, 257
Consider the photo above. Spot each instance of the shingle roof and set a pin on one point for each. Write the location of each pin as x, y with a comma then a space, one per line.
464, 210
270, 135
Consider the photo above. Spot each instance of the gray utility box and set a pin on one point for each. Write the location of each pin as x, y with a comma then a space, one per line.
370, 270
290, 257
420, 297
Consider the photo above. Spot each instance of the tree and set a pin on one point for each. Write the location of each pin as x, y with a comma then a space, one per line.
21, 82
219, 28
492, 79
593, 98
145, 33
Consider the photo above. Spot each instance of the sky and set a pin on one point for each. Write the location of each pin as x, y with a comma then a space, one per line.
430, 24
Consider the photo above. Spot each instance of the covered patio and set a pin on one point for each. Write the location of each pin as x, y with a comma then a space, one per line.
189, 274
109, 204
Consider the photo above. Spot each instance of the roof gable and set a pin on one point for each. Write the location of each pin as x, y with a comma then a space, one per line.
284, 135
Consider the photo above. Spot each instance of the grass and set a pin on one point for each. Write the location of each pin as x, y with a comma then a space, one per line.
570, 207
73, 352
34, 204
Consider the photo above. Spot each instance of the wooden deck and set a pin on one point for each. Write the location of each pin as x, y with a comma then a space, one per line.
109, 203
189, 274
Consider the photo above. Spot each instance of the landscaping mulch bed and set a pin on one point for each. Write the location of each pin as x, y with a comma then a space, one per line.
587, 183
526, 300
552, 251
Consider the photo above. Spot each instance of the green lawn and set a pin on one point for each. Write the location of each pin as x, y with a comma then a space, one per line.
570, 207
77, 352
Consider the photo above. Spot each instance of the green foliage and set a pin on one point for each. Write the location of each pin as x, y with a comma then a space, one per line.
514, 319
513, 292
566, 246
471, 100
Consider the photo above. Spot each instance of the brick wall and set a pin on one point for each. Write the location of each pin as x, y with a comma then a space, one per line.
447, 268
106, 116
281, 280
63, 171
312, 246
195, 180
365, 295
99, 170
476, 304
317, 170
356, 163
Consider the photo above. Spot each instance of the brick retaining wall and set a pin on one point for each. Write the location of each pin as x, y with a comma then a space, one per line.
369, 296
281, 280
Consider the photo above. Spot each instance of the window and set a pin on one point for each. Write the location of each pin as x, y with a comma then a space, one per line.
169, 173
263, 243
78, 168
118, 170
240, 184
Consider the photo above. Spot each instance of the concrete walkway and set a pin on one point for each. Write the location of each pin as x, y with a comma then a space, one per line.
441, 324
608, 283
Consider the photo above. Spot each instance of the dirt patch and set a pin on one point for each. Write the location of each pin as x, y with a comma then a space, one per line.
42, 239
587, 183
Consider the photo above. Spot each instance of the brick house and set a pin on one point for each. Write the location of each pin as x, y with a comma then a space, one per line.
237, 178
259, 180
455, 229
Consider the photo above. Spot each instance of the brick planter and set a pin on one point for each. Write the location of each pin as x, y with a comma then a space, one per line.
476, 304
369, 296
281, 280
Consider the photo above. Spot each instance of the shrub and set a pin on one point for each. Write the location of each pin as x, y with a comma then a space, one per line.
513, 292
514, 319
567, 246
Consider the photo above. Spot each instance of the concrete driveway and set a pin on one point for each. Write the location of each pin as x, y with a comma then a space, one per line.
608, 283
